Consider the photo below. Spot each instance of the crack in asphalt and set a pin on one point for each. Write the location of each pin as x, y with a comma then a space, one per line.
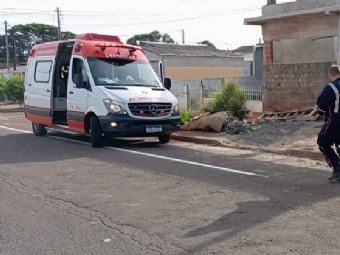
100, 216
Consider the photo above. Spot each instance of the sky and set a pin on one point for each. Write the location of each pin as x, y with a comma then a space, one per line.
220, 21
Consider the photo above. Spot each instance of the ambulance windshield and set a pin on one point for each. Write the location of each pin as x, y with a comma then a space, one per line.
123, 72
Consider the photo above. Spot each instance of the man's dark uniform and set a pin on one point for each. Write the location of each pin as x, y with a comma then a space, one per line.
328, 105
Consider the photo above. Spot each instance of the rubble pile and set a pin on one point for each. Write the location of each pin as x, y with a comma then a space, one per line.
218, 122
207, 122
225, 122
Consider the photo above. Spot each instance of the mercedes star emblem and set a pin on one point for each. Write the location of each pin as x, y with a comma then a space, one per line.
153, 109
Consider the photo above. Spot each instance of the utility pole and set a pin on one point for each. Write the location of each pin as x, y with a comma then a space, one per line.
58, 18
7, 48
14, 51
183, 38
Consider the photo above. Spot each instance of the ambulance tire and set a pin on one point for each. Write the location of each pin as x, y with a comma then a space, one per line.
164, 139
39, 129
96, 133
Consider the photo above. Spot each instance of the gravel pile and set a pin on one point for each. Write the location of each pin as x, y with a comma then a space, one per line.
273, 132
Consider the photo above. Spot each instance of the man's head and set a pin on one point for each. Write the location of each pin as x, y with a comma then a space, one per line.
334, 72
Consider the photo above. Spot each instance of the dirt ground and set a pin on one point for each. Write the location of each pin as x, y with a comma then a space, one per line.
276, 133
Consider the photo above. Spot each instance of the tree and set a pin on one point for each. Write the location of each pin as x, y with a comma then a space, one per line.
207, 42
154, 36
15, 88
29, 35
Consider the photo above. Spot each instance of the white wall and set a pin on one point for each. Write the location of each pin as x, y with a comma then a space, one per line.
254, 105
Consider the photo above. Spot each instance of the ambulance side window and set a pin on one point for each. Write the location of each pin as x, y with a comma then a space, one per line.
78, 67
42, 71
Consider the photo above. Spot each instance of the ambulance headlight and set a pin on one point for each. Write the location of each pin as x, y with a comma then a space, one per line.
175, 109
114, 106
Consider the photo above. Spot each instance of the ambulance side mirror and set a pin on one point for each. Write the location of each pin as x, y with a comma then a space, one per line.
79, 80
167, 83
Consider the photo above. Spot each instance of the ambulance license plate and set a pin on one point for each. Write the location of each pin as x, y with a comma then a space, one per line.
153, 129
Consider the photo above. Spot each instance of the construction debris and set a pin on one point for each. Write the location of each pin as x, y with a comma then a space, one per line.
207, 122
235, 126
219, 122
225, 122
303, 114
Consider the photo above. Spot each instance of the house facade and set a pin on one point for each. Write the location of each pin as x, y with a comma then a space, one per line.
248, 58
188, 62
301, 40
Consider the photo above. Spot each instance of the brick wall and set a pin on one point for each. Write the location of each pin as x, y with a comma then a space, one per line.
292, 86
268, 52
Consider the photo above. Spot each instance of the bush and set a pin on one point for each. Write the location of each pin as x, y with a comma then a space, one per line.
2, 85
185, 116
15, 88
229, 98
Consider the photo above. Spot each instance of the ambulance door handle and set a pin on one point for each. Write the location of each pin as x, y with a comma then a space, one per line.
29, 84
47, 90
71, 92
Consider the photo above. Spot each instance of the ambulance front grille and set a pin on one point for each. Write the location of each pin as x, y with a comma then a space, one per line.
150, 109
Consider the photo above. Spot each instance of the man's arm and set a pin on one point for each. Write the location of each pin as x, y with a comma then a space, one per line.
324, 99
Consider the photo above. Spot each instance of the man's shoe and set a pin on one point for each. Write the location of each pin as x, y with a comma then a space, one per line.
334, 176
336, 173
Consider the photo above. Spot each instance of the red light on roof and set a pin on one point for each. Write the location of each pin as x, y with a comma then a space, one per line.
77, 47
32, 52
107, 45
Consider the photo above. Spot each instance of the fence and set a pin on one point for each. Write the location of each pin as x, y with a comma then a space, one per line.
8, 74
193, 95
253, 92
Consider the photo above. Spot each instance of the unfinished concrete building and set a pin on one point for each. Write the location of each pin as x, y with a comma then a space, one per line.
301, 40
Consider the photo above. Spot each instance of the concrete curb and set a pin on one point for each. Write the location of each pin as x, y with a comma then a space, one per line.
212, 142
11, 110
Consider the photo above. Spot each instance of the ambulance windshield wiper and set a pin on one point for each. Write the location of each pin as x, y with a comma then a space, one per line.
152, 84
141, 85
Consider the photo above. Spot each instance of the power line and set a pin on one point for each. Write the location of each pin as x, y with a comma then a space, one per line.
152, 22
113, 14
22, 13
86, 13
124, 24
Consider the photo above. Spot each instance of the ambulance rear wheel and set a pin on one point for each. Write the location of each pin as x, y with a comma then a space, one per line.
39, 129
96, 133
164, 139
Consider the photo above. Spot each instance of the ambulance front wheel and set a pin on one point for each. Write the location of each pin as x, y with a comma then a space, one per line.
96, 133
39, 129
163, 139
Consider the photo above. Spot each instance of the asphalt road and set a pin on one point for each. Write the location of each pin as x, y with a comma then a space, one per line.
58, 195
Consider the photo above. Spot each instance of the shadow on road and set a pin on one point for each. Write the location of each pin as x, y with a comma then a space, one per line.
286, 187
25, 148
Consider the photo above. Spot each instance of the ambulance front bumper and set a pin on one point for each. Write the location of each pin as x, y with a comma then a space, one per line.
116, 125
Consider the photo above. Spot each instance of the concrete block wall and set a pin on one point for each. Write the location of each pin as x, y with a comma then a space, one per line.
288, 51
299, 28
292, 86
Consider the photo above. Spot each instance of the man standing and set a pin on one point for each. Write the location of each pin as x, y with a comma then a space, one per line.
328, 105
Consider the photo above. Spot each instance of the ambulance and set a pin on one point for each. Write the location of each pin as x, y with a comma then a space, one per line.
97, 85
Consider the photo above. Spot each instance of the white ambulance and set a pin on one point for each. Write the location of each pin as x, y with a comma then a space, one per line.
97, 85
